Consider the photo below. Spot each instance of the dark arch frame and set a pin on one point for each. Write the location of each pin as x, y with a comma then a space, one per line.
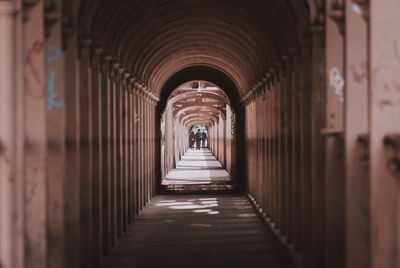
205, 73
231, 89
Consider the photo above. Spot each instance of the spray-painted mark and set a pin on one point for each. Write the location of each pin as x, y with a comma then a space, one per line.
55, 54
359, 72
356, 8
52, 101
34, 87
337, 82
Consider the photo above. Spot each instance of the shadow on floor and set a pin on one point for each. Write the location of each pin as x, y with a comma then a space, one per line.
199, 231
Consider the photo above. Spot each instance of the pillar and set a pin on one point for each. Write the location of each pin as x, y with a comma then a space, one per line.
334, 139
384, 128
11, 181
113, 152
86, 146
55, 117
356, 129
96, 183
72, 160
106, 179
35, 139
318, 119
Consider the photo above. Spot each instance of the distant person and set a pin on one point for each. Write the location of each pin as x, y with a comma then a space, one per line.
204, 138
192, 139
199, 138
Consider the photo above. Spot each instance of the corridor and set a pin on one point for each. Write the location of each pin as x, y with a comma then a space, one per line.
198, 231
295, 105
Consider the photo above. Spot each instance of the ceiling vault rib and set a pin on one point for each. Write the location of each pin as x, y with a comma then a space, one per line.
152, 41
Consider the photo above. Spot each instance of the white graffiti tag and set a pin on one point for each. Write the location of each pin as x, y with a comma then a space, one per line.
337, 82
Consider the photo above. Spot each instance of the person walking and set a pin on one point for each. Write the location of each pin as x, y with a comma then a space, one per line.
192, 139
204, 138
199, 137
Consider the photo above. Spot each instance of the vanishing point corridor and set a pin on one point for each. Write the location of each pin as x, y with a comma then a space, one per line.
199, 133
203, 230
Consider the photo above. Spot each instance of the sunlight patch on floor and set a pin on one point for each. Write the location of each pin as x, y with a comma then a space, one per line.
201, 205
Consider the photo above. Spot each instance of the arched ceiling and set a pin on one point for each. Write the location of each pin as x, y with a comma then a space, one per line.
198, 100
195, 109
200, 95
155, 39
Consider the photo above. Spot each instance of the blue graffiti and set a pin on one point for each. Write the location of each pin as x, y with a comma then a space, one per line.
56, 53
52, 102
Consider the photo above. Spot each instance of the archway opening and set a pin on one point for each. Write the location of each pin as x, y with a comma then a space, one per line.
200, 121
197, 139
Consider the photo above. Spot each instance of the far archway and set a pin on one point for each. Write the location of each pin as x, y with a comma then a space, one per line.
212, 107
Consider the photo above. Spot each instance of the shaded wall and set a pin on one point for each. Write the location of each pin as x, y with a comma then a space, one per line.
77, 146
321, 145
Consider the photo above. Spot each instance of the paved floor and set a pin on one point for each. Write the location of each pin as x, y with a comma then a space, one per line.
197, 167
198, 159
181, 176
198, 231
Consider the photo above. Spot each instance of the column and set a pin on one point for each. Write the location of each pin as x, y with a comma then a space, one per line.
72, 160
384, 128
118, 151
125, 151
280, 82
356, 129
85, 101
105, 101
129, 150
305, 143
11, 191
318, 119
35, 139
113, 152
96, 184
333, 132
55, 117
136, 149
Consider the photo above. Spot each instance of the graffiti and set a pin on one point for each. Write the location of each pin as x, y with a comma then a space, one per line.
337, 82
35, 86
385, 80
55, 52
359, 72
33, 82
52, 102
356, 8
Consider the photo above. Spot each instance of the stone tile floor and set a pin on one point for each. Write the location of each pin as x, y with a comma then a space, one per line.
198, 231
197, 167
